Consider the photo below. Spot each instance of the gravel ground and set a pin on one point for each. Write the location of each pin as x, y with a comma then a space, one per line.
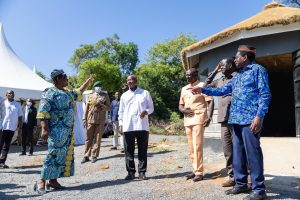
168, 162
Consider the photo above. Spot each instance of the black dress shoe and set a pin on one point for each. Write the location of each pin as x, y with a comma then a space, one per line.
190, 176
142, 176
256, 196
22, 154
198, 178
56, 187
3, 166
236, 190
130, 176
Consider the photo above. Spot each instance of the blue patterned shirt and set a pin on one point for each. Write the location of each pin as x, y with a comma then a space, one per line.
250, 94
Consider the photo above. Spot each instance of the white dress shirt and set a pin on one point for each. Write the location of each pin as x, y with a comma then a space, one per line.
13, 111
132, 104
2, 111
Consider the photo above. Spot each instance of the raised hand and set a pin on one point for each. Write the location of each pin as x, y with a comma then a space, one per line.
218, 68
90, 80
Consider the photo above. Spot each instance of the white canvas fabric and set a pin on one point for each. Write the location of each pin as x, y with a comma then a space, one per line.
15, 75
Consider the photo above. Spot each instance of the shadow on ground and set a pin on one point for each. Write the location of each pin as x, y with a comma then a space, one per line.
282, 187
10, 195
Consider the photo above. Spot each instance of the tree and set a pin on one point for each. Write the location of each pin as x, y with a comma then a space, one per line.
164, 84
109, 50
163, 76
108, 74
168, 52
293, 3
43, 76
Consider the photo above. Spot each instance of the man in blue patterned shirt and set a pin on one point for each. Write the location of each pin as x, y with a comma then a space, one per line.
249, 104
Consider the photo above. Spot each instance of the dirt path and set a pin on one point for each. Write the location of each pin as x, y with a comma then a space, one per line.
168, 162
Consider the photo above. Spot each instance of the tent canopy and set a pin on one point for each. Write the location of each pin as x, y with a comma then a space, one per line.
16, 76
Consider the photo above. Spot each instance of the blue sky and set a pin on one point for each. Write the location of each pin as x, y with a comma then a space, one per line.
45, 33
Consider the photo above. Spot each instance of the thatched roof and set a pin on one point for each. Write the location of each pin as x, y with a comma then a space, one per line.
272, 14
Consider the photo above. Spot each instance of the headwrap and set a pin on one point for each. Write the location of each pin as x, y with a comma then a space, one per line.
56, 72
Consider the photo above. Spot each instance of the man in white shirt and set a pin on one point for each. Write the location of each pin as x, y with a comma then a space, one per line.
135, 106
12, 120
1, 115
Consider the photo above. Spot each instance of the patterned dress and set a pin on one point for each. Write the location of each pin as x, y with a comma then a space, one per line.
57, 106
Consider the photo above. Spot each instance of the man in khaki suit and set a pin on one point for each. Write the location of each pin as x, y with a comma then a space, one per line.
98, 104
196, 118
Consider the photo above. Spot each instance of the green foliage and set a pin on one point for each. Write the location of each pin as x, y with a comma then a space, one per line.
175, 117
107, 73
168, 53
85, 52
73, 82
163, 76
164, 84
111, 51
292, 3
42, 75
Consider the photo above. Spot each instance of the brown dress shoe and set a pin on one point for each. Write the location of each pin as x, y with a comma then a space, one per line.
228, 183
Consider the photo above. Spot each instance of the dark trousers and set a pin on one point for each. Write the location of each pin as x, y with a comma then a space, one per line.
247, 153
27, 134
227, 136
5, 140
142, 138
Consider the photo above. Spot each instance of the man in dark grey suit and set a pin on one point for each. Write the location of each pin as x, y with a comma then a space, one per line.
29, 123
228, 68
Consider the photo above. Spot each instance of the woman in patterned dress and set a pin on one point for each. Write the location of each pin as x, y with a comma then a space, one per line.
56, 112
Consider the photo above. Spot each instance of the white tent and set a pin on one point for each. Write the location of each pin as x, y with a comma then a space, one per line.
15, 75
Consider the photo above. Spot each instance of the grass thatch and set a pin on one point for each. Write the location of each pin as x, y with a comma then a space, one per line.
272, 14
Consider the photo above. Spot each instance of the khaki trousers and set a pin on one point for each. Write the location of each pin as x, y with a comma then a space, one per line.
94, 133
195, 143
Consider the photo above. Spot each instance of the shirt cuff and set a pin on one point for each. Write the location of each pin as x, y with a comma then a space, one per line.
204, 90
260, 114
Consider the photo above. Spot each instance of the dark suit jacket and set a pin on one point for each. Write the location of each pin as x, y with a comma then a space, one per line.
223, 101
31, 117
